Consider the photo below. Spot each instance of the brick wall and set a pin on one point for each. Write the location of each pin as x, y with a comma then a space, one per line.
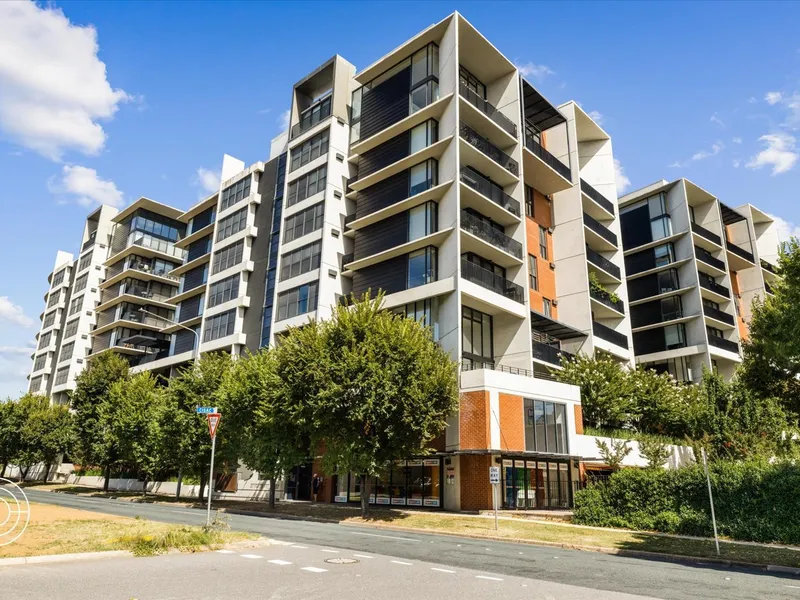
474, 420
578, 418
512, 424
476, 491
542, 216
744, 328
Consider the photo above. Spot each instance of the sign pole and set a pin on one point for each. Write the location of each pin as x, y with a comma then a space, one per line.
494, 479
711, 499
494, 489
211, 480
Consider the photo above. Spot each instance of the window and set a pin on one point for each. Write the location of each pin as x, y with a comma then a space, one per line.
661, 227
425, 312
664, 254
223, 290
426, 94
58, 277
484, 264
219, 325
421, 267
235, 193
529, 202
421, 221
304, 222
423, 136
71, 329
142, 222
80, 283
44, 340
476, 336
533, 273
545, 426
53, 298
424, 64
671, 308
471, 82
314, 114
307, 185
61, 376
49, 319
710, 304
310, 150
675, 336
227, 257
547, 310
38, 364
678, 368
66, 351
36, 383
543, 242
668, 281
85, 262
423, 177
298, 301
714, 332
232, 224
300, 261
75, 305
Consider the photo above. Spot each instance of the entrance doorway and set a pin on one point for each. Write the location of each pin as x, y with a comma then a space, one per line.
536, 484
298, 487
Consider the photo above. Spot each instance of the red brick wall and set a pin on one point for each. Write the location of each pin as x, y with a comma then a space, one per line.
578, 419
474, 420
476, 491
547, 276
512, 424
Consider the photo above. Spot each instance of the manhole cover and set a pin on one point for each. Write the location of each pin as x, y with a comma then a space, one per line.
341, 561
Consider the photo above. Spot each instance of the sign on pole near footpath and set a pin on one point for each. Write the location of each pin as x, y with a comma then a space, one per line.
494, 479
213, 423
205, 410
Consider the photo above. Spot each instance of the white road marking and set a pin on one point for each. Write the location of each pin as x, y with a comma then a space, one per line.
363, 556
400, 562
391, 537
314, 569
441, 570
250, 556
226, 552
299, 547
487, 577
278, 561
331, 551
796, 587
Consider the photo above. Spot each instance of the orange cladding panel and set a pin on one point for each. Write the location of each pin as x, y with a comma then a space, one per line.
512, 422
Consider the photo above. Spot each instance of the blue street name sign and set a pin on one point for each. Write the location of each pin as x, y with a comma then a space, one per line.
206, 410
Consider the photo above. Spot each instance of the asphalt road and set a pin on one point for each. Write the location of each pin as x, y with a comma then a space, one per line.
545, 572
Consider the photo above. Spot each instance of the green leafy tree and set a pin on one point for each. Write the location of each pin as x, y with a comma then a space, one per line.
92, 387
369, 384
54, 431
9, 433
30, 409
256, 401
613, 454
654, 451
659, 403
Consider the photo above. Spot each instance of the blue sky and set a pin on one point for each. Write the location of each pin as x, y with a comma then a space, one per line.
106, 102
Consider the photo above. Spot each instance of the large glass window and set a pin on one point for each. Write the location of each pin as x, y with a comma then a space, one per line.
38, 364
668, 281
53, 299
227, 257
675, 336
422, 96
545, 427
58, 277
423, 136
36, 383
219, 326
664, 254
49, 319
304, 222
422, 221
472, 83
425, 312
300, 261
223, 290
677, 367
61, 376
146, 221
71, 329
66, 351
232, 224
671, 308
235, 193
44, 340
476, 336
80, 283
422, 267
661, 227
307, 185
75, 305
314, 115
85, 261
298, 301
423, 177
310, 150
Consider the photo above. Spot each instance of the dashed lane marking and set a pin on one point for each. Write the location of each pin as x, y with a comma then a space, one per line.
391, 537
400, 562
314, 569
488, 578
299, 547
225, 552
278, 561
331, 551
441, 570
250, 556
363, 556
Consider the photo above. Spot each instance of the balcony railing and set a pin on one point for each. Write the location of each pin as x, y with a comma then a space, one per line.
740, 252
148, 268
144, 319
768, 288
491, 281
600, 229
488, 109
475, 139
147, 241
349, 219
489, 234
601, 261
609, 335
719, 315
313, 118
548, 353
709, 235
768, 266
713, 286
597, 196
535, 146
90, 242
489, 189
706, 257
605, 298
347, 259
723, 344
470, 364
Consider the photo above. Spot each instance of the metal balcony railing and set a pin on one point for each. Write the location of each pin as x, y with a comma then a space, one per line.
768, 266
548, 353
90, 242
487, 108
489, 234
145, 267
719, 315
609, 335
600, 229
739, 251
492, 281
147, 241
347, 259
470, 364
597, 197
709, 235
707, 282
533, 143
705, 256
475, 139
489, 190
601, 261
605, 298
723, 344
312, 118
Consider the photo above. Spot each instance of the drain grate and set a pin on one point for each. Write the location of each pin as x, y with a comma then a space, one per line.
341, 561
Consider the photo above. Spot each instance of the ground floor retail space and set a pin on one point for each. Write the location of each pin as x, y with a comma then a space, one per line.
415, 482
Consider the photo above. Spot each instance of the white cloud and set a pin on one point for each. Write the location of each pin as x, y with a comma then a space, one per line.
283, 120
752, 100
676, 165
596, 116
264, 111
716, 148
53, 87
13, 313
786, 230
736, 163
208, 180
535, 71
12, 351
623, 183
715, 119
737, 140
86, 187
779, 153
773, 97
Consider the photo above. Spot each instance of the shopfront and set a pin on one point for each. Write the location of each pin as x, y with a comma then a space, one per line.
413, 482
534, 483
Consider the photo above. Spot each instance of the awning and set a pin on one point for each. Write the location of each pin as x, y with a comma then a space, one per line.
538, 110
553, 328
729, 216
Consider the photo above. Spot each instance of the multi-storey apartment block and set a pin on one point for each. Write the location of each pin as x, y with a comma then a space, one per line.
694, 267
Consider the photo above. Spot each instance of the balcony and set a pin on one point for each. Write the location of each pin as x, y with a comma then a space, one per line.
470, 364
597, 197
490, 190
709, 235
312, 118
549, 354
550, 174
609, 335
601, 230
713, 286
476, 140
741, 253
489, 234
492, 281
488, 109
605, 298
768, 266
601, 261
90, 242
705, 256
723, 344
718, 315
346, 260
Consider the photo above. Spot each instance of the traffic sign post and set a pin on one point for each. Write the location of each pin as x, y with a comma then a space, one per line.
494, 479
213, 422
205, 410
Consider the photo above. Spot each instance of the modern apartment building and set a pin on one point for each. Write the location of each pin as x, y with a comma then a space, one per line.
694, 266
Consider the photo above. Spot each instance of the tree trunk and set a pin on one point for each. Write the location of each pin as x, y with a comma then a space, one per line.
144, 487
180, 480
272, 492
46, 472
365, 492
24, 474
107, 479
3, 472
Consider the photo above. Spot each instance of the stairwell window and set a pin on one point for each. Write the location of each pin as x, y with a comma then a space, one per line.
533, 273
529, 201
543, 243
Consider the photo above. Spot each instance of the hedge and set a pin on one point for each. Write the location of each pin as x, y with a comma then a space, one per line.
754, 501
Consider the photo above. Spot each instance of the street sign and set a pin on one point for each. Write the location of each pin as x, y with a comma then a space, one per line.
206, 410
213, 423
494, 475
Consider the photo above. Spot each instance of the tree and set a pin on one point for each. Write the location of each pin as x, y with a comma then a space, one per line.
659, 403
613, 454
54, 431
9, 433
91, 391
655, 452
771, 366
371, 385
255, 401
30, 410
